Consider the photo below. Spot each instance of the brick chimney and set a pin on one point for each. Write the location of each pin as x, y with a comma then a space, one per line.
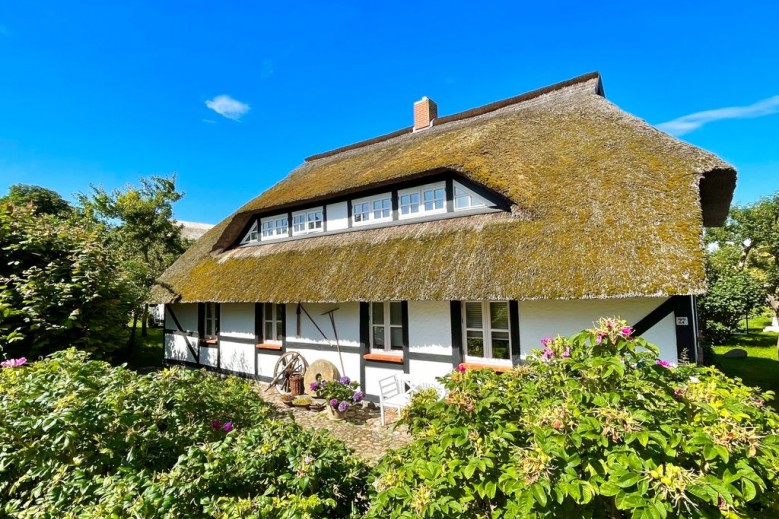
425, 110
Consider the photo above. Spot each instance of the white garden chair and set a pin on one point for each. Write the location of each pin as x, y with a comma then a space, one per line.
396, 392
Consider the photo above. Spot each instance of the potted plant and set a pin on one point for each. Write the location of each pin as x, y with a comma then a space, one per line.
339, 395
287, 399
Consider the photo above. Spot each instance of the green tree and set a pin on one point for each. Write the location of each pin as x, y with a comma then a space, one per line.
60, 285
142, 231
750, 238
731, 297
44, 201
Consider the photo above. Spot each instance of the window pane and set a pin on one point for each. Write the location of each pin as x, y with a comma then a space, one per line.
269, 336
396, 338
378, 313
473, 317
429, 195
378, 337
396, 314
461, 202
459, 191
279, 330
267, 311
499, 315
209, 310
474, 342
501, 345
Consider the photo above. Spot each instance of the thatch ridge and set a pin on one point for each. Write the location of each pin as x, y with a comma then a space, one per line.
612, 209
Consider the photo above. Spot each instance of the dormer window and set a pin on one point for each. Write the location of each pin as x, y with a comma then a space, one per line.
251, 236
465, 198
308, 221
275, 227
422, 200
374, 209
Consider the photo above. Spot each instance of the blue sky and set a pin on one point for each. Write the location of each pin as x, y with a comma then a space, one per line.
106, 92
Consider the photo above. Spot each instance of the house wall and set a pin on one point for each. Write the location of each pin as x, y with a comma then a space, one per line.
431, 352
176, 346
337, 216
539, 319
313, 346
236, 337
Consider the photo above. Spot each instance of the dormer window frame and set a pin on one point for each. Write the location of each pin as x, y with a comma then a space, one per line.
308, 221
274, 227
424, 200
371, 210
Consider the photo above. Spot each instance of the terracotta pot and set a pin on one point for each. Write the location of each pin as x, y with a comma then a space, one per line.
335, 414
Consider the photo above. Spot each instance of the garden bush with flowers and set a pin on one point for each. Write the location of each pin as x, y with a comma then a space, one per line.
79, 438
595, 425
340, 394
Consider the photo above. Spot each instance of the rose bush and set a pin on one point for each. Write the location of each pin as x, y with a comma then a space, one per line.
593, 426
79, 438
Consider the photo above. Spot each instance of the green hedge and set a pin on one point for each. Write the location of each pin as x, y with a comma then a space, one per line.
596, 426
79, 438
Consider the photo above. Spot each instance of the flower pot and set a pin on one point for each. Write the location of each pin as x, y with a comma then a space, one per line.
335, 414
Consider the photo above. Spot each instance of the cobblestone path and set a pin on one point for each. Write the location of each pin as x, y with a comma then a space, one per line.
361, 430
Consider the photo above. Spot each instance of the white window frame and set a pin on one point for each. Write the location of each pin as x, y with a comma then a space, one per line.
474, 201
308, 221
487, 334
253, 231
371, 202
273, 319
278, 226
388, 326
420, 193
211, 320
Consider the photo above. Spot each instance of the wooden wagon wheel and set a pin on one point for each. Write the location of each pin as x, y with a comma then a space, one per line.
291, 363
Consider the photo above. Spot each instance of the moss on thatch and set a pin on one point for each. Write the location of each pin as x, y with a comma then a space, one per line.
611, 208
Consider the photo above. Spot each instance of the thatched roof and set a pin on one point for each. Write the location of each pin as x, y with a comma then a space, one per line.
604, 205
193, 230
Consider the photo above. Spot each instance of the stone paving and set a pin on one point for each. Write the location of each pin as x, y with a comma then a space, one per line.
361, 430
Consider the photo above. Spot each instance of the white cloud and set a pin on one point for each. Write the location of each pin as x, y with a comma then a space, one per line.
691, 122
228, 107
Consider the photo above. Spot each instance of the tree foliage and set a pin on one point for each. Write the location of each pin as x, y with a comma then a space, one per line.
141, 229
749, 244
43, 201
595, 426
732, 296
59, 285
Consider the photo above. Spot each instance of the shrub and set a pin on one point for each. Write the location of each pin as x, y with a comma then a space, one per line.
594, 426
60, 286
81, 438
340, 394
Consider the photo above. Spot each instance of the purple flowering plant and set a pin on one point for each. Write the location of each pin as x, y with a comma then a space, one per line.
341, 393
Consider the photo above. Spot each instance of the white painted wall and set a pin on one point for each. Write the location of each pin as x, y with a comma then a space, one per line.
186, 314
347, 322
429, 327
209, 355
176, 347
237, 320
337, 216
539, 319
265, 363
237, 356
427, 371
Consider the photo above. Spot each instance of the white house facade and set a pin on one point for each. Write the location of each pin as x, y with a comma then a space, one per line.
463, 239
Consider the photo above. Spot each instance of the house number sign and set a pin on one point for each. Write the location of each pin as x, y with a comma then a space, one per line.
682, 321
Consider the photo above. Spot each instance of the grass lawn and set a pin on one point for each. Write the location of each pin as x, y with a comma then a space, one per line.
761, 367
148, 350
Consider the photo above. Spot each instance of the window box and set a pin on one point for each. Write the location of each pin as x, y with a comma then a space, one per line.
384, 357
209, 342
267, 346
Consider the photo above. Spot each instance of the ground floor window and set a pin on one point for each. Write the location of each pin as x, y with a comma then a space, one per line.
212, 321
487, 330
273, 323
387, 327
